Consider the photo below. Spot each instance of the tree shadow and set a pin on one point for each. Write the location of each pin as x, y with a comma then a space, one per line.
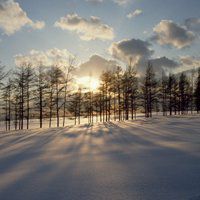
113, 160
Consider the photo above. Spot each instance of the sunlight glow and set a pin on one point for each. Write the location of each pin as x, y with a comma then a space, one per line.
88, 83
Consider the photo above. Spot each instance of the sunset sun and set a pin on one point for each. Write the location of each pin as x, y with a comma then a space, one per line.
88, 83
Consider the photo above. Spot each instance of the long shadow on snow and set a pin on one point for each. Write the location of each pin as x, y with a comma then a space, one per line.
143, 172
28, 151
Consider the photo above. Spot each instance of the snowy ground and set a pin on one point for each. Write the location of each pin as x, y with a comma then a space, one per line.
157, 159
35, 123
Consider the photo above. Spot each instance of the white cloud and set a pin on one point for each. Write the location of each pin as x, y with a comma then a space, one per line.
119, 2
47, 58
169, 33
13, 18
87, 29
145, 32
37, 25
134, 14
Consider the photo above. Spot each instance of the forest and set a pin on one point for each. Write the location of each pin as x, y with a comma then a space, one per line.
47, 93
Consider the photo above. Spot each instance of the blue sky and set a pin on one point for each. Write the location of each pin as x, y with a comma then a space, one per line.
110, 13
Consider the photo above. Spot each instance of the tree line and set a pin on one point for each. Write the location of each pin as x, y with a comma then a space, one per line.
47, 93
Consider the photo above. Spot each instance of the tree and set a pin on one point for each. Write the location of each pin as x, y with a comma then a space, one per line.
133, 91
16, 107
3, 74
172, 91
165, 88
67, 78
20, 89
197, 92
41, 86
106, 79
118, 85
7, 98
75, 105
126, 93
50, 93
149, 89
191, 91
55, 86
184, 93
29, 80
129, 82
58, 77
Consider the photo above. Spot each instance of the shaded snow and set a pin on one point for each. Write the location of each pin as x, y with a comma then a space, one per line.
157, 159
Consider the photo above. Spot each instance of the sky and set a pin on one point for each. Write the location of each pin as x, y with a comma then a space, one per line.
101, 33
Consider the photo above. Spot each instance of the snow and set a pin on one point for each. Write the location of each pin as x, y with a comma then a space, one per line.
155, 159
35, 123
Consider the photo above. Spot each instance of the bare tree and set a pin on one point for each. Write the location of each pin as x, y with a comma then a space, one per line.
149, 89
76, 105
67, 78
7, 97
29, 80
184, 93
197, 92
41, 87
20, 85
55, 76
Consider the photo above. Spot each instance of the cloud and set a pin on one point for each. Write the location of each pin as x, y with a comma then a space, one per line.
187, 63
95, 1
140, 53
134, 14
193, 24
47, 58
190, 61
169, 33
95, 66
87, 29
135, 49
164, 64
37, 25
13, 18
119, 2
183, 63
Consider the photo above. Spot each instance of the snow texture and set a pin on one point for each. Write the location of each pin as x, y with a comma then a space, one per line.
156, 159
